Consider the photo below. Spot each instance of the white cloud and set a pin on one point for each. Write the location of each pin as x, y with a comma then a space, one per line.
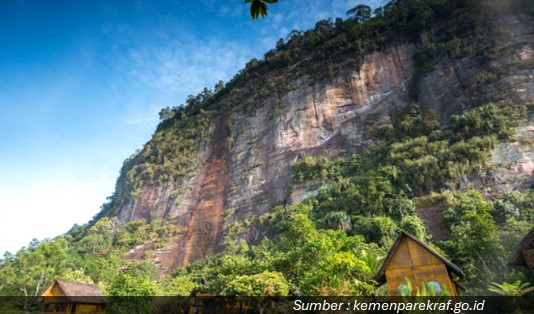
43, 199
186, 67
142, 120
231, 10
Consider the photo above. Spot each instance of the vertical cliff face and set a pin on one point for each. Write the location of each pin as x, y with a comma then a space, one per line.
245, 162
253, 174
326, 118
206, 225
456, 84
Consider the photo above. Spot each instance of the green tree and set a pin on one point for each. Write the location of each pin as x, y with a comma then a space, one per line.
132, 295
264, 284
166, 113
77, 275
31, 269
180, 285
218, 87
360, 13
127, 285
474, 242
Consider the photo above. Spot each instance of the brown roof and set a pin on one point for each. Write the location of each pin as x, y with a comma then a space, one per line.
380, 277
78, 292
526, 243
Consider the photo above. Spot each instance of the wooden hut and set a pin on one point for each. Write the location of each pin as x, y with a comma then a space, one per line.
411, 259
523, 254
64, 296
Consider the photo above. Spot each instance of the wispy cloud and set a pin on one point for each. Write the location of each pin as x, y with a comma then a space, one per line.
231, 10
185, 67
223, 8
71, 116
142, 119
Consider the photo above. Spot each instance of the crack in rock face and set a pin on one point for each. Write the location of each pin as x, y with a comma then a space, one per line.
329, 118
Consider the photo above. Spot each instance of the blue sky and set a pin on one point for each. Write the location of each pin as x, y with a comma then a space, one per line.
82, 82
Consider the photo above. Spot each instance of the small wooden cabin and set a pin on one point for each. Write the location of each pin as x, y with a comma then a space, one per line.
523, 254
64, 296
410, 258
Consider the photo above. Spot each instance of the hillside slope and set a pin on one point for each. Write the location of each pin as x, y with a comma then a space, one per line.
243, 161
296, 176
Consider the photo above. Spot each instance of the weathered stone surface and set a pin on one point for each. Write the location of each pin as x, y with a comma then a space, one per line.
514, 161
252, 172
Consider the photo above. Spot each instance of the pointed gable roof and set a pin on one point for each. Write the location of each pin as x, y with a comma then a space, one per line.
76, 292
380, 277
527, 243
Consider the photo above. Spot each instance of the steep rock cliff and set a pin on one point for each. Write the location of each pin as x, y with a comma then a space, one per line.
244, 165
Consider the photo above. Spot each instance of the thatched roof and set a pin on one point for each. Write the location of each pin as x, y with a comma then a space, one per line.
527, 243
76, 292
380, 277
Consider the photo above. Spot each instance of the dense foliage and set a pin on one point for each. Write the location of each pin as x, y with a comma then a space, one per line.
334, 242
375, 193
316, 55
319, 53
330, 244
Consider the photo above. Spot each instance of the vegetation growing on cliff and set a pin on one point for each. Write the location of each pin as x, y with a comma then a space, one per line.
374, 194
333, 243
317, 54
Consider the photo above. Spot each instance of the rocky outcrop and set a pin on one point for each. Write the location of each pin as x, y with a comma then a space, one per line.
327, 119
247, 160
205, 228
457, 84
514, 162
253, 174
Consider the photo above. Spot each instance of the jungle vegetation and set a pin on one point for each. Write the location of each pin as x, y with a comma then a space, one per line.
334, 242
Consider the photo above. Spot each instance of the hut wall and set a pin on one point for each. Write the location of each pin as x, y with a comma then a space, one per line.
410, 253
413, 262
89, 308
55, 291
528, 255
